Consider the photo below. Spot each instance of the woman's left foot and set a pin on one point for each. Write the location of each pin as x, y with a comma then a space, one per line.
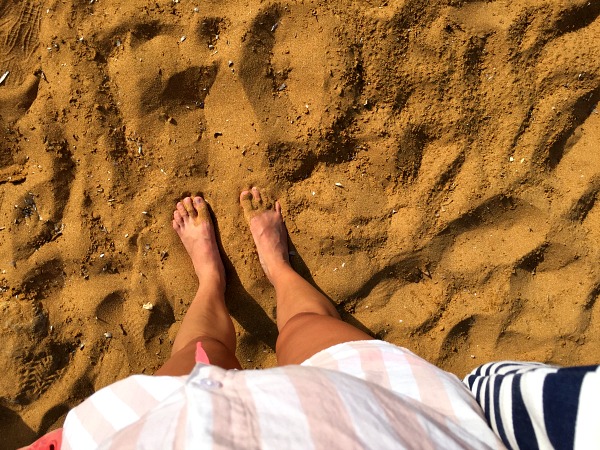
192, 222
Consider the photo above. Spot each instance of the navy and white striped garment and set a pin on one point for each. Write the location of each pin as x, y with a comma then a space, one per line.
534, 405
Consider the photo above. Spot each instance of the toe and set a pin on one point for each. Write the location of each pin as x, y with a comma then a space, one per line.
176, 225
201, 208
278, 206
177, 218
189, 207
199, 203
246, 201
257, 199
256, 195
181, 210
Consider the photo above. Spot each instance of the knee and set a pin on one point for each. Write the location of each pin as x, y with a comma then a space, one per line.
189, 346
302, 331
217, 352
301, 320
309, 313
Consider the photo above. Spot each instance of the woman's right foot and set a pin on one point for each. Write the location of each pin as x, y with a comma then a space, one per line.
268, 231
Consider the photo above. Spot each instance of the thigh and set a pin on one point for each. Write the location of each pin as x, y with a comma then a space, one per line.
182, 362
307, 333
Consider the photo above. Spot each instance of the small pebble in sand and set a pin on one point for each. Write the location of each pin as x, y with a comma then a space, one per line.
4, 76
148, 306
108, 335
340, 185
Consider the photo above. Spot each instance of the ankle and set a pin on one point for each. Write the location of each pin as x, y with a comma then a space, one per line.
280, 272
211, 279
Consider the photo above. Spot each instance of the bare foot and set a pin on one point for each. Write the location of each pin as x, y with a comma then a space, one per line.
191, 221
268, 231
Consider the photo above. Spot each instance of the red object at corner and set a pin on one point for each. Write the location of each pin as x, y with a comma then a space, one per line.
49, 441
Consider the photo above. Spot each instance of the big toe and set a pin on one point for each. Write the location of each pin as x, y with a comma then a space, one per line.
248, 203
245, 197
201, 208
256, 196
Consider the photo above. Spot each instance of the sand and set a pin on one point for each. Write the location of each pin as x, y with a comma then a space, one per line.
437, 162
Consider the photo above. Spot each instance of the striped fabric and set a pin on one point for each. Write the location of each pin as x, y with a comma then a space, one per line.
533, 405
357, 395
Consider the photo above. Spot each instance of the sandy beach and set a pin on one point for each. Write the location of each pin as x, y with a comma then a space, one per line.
437, 162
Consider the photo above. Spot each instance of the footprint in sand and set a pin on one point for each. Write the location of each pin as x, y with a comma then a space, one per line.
33, 357
19, 40
162, 74
295, 87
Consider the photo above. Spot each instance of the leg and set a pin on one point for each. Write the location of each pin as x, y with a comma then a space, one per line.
307, 321
207, 319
